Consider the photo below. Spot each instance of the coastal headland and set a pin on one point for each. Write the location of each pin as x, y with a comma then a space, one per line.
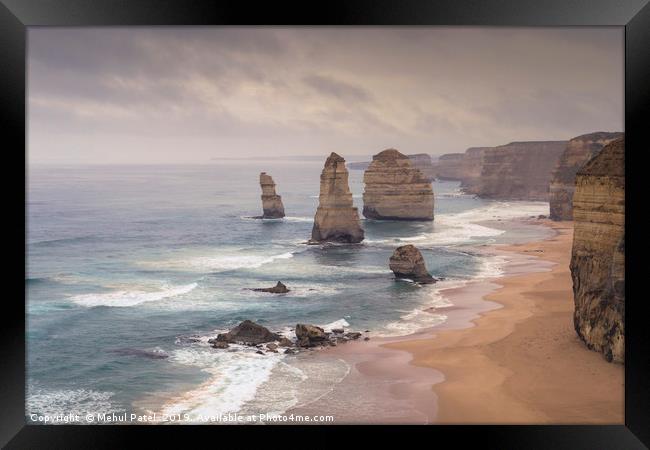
507, 354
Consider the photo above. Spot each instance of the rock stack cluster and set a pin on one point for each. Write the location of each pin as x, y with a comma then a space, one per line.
308, 336
407, 262
271, 202
336, 219
598, 254
395, 189
578, 152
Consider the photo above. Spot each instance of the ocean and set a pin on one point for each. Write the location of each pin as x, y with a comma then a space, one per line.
131, 269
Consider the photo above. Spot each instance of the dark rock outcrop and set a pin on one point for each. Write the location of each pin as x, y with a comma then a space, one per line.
395, 189
578, 152
336, 219
248, 333
311, 336
519, 170
598, 254
407, 262
311, 332
279, 288
271, 202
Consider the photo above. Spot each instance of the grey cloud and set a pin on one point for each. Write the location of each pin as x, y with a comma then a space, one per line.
249, 89
337, 88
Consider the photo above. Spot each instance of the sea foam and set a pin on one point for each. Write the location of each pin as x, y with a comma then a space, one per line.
124, 298
234, 378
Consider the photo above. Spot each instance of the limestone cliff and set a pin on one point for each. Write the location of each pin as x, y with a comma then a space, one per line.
449, 166
470, 169
271, 202
519, 170
598, 254
422, 162
578, 151
336, 219
395, 189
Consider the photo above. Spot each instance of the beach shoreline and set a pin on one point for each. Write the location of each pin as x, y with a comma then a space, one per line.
507, 354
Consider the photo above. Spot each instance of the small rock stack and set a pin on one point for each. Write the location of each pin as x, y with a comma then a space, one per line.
271, 202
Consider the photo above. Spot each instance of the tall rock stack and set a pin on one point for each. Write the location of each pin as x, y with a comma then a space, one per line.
598, 254
519, 170
578, 151
395, 189
336, 220
271, 202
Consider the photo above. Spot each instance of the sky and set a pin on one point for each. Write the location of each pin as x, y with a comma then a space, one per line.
197, 94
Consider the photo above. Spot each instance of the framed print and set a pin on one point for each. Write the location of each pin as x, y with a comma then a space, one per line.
364, 213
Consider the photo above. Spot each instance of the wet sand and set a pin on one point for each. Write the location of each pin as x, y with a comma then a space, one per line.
507, 354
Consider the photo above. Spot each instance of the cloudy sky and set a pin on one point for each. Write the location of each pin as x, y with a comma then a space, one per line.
188, 95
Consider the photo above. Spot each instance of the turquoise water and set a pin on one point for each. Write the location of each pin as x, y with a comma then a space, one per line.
125, 263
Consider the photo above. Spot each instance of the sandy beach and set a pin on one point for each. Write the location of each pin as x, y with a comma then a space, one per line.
508, 354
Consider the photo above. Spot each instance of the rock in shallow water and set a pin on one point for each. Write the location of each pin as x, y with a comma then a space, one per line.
311, 332
279, 288
248, 333
407, 262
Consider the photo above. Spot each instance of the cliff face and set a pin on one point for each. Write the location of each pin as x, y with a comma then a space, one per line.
422, 162
449, 166
519, 170
336, 220
598, 254
578, 151
271, 202
395, 189
471, 167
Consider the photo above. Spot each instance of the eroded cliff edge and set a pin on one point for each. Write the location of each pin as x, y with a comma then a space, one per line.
519, 170
336, 219
395, 189
578, 152
598, 254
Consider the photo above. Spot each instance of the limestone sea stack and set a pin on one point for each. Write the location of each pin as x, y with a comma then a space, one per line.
336, 219
578, 152
519, 170
421, 161
395, 189
598, 254
271, 202
407, 262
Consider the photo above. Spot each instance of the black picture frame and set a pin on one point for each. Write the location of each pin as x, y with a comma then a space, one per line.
17, 15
